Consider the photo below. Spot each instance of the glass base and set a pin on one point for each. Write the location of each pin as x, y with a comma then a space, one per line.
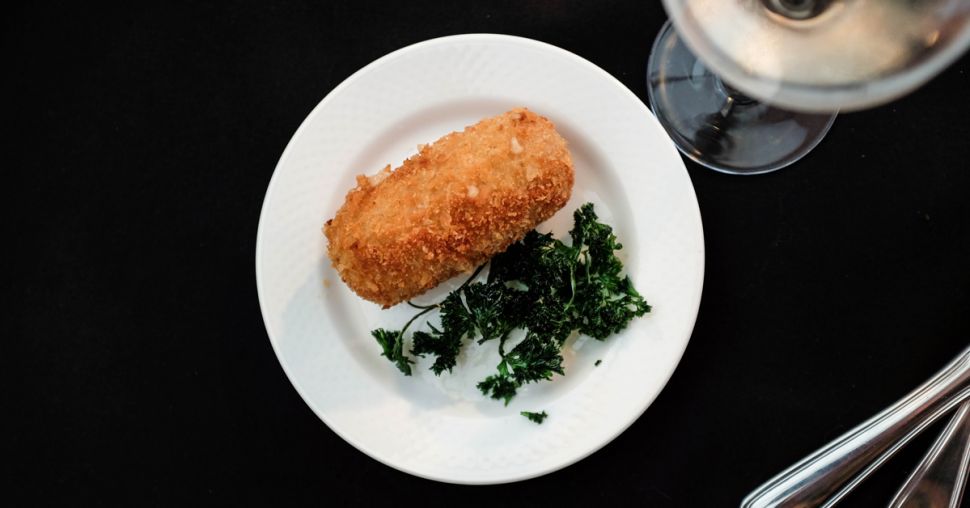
717, 126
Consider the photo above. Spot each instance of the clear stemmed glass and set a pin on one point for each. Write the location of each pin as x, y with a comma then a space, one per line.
751, 86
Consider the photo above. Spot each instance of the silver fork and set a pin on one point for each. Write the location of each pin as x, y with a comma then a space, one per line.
826, 476
941, 477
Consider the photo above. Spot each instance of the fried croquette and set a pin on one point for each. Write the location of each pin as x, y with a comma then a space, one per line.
450, 208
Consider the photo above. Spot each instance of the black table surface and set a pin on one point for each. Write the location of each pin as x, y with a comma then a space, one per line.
144, 138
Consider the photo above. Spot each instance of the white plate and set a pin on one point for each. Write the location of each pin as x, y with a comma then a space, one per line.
443, 428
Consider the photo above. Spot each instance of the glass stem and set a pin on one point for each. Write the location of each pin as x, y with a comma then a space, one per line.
727, 107
734, 96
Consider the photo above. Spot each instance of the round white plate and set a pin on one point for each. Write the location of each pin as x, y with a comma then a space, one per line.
441, 427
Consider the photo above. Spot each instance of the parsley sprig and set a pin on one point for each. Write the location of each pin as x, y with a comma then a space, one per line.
539, 284
535, 417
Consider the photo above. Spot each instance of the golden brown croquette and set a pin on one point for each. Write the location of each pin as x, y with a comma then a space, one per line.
450, 208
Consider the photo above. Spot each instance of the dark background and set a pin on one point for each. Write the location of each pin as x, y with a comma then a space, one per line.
144, 138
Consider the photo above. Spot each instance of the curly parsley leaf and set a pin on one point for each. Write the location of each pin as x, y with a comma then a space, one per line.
534, 359
445, 344
535, 417
597, 242
392, 344
455, 318
494, 308
499, 387
516, 263
605, 302
445, 348
607, 306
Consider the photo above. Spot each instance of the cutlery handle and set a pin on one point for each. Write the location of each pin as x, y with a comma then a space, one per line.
824, 477
940, 478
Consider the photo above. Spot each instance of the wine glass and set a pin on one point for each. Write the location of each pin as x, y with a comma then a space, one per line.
769, 75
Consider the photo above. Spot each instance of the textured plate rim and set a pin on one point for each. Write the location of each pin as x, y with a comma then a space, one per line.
348, 82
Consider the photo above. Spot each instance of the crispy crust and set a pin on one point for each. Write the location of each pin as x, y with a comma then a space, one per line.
451, 207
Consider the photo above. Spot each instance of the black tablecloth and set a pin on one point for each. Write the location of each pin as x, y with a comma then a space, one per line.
141, 374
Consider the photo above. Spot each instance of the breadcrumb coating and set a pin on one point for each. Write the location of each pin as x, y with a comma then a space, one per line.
450, 208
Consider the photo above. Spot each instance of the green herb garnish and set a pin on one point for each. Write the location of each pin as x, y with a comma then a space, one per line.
392, 342
541, 285
536, 417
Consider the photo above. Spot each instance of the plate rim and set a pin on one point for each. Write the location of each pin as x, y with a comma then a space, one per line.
349, 81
